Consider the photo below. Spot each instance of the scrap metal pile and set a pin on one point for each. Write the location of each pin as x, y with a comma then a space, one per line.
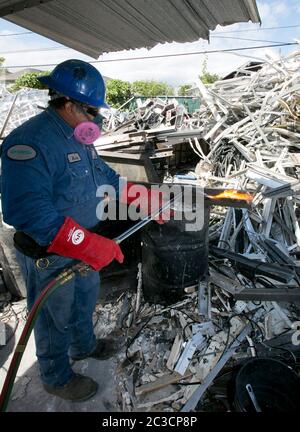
16, 108
172, 357
253, 127
158, 130
249, 304
152, 114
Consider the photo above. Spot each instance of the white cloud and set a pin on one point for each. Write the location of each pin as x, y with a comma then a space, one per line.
281, 9
266, 14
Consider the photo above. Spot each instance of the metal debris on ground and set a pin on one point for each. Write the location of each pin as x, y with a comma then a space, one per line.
251, 128
170, 352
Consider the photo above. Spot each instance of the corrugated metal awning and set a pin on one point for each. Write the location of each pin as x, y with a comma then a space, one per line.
97, 26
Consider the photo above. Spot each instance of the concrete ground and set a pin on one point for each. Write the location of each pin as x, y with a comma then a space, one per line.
28, 394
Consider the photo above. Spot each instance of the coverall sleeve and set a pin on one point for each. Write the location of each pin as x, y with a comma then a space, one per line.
26, 195
112, 176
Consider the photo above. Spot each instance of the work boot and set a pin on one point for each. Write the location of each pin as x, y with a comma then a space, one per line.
105, 349
78, 389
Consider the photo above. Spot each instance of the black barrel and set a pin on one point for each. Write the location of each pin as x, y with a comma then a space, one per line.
275, 385
173, 258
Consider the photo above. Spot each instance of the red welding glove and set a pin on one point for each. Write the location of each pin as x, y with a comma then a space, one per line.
74, 241
148, 200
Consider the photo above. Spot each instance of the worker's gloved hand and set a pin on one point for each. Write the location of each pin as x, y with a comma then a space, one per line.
74, 241
148, 200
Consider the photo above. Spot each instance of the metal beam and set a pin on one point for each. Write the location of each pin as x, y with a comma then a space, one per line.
269, 294
197, 395
251, 268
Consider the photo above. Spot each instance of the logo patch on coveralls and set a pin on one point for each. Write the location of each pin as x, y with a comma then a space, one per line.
74, 157
21, 152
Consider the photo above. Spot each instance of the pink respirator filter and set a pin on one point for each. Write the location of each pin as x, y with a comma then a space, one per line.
87, 133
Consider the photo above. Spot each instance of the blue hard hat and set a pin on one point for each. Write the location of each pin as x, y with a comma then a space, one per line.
78, 80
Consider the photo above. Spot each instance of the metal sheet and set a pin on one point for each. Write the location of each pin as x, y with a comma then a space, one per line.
94, 27
201, 389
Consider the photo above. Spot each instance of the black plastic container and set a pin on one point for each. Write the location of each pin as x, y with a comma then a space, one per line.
275, 385
173, 259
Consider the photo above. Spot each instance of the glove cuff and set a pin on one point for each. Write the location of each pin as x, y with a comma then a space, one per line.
74, 241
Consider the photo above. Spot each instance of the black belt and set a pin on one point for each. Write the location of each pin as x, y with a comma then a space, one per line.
29, 247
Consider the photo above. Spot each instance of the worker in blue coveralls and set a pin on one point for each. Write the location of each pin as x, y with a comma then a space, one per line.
50, 175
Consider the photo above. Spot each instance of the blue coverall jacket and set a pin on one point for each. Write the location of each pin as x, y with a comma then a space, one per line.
47, 175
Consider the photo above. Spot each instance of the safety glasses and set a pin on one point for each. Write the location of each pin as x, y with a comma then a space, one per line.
85, 109
92, 111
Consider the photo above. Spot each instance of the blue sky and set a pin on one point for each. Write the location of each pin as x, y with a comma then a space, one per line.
175, 71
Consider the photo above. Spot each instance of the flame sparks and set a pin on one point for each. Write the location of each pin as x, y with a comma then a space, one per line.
234, 195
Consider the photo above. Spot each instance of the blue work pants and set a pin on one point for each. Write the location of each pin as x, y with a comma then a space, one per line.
65, 326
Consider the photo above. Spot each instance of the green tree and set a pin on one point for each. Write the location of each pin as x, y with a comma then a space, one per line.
185, 90
152, 89
28, 79
2, 60
118, 92
206, 77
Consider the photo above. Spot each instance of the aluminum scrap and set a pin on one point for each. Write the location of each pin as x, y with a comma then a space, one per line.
258, 118
152, 114
252, 126
155, 344
29, 102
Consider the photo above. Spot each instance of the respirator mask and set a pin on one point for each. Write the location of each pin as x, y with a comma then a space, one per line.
88, 132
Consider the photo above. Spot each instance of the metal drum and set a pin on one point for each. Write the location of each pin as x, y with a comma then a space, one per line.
173, 259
